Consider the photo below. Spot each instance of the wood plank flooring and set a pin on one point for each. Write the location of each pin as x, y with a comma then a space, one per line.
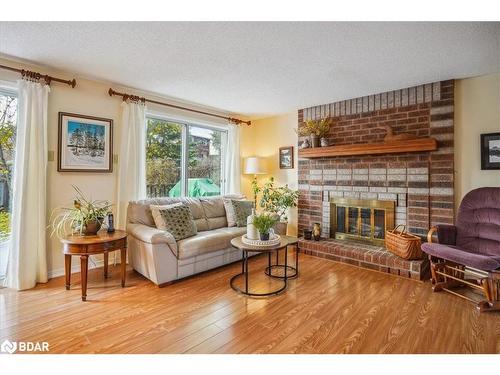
330, 308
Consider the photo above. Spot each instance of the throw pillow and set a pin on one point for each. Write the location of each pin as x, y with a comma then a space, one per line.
179, 221
242, 210
155, 212
228, 206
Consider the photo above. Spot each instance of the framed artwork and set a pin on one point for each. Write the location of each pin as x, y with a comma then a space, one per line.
490, 151
286, 157
85, 143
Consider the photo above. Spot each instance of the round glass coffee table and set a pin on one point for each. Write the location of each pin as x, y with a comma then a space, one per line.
288, 271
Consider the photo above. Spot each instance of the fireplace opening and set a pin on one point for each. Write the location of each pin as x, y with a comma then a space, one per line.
361, 219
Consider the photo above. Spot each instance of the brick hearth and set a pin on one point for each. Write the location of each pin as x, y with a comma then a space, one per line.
367, 256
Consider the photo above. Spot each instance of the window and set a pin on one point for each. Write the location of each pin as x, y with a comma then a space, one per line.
183, 159
8, 120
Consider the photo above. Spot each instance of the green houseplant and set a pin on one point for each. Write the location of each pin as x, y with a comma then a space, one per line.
277, 200
264, 222
85, 217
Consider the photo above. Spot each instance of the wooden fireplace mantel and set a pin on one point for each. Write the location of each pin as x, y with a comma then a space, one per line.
392, 147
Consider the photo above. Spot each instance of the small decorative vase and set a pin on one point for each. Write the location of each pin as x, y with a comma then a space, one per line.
307, 234
314, 140
252, 232
92, 227
316, 231
324, 142
305, 144
264, 236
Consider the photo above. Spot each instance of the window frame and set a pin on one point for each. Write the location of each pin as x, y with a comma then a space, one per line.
185, 125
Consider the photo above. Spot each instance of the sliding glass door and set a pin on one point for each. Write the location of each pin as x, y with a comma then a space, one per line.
8, 121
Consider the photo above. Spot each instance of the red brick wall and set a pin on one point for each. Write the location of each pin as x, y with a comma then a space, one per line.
421, 184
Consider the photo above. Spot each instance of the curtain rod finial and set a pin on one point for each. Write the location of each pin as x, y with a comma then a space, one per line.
73, 83
111, 92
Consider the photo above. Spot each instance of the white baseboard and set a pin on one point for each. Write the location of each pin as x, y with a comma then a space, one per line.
75, 268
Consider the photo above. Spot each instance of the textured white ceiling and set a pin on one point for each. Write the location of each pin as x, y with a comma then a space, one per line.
255, 68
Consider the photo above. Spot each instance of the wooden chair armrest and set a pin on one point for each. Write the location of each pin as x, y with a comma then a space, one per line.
431, 233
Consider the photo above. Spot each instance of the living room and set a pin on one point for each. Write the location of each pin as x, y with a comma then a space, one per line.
269, 188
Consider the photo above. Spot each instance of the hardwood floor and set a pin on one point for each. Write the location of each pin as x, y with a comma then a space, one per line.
330, 308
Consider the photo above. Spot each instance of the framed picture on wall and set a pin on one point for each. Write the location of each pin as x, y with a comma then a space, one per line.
286, 157
490, 151
85, 143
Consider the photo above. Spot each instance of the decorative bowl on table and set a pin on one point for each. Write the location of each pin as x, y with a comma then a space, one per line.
274, 239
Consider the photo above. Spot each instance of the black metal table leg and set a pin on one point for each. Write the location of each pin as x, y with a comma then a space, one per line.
246, 272
285, 266
296, 259
286, 262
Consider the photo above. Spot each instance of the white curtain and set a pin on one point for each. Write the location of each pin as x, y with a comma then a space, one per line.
27, 263
232, 164
132, 159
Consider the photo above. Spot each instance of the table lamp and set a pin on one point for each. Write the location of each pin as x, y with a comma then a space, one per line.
254, 165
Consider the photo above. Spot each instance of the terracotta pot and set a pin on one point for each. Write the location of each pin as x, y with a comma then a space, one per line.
280, 228
92, 228
314, 140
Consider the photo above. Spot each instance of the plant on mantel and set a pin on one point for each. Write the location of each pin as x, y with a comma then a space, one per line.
315, 130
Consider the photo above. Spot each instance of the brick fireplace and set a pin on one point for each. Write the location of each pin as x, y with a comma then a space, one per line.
420, 184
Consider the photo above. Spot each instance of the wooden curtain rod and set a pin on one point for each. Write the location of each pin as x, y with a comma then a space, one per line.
35, 75
136, 98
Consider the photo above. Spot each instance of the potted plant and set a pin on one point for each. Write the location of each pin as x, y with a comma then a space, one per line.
277, 200
315, 130
264, 222
85, 217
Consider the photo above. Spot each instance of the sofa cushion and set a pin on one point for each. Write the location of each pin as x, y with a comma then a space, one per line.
242, 210
214, 212
208, 241
178, 221
462, 256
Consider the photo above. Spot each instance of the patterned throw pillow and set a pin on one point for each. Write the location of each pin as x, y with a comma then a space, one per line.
156, 213
242, 210
179, 221
228, 206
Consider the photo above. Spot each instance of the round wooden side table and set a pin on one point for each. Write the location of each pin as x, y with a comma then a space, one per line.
84, 246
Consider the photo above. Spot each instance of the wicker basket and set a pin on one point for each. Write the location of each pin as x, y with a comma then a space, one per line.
402, 244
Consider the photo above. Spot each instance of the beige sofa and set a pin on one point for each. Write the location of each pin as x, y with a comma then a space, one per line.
155, 254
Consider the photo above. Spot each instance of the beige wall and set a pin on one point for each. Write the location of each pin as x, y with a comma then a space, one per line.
264, 138
477, 110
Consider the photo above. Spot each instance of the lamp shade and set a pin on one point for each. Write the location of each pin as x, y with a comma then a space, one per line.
254, 165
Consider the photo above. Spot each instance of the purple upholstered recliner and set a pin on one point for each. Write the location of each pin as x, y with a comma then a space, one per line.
468, 253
